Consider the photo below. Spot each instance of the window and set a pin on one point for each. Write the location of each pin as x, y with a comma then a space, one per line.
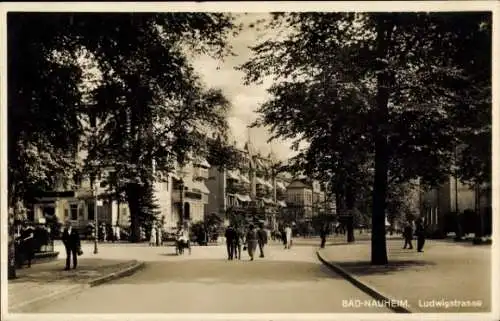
80, 212
74, 212
90, 211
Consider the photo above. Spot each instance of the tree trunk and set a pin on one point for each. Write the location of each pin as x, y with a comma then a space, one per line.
11, 231
480, 220
350, 201
132, 192
378, 242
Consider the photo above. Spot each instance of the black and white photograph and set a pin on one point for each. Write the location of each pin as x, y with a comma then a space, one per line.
272, 159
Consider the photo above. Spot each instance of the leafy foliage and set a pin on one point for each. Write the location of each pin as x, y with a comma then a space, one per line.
380, 89
221, 154
146, 105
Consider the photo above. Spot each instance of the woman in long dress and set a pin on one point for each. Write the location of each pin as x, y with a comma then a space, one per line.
288, 232
251, 240
152, 239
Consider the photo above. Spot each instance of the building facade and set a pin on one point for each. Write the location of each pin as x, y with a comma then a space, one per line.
251, 189
190, 194
453, 202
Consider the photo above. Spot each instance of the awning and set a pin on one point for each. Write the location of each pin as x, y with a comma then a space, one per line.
260, 181
244, 179
201, 162
201, 187
243, 198
190, 184
267, 200
259, 163
233, 175
268, 184
280, 185
281, 203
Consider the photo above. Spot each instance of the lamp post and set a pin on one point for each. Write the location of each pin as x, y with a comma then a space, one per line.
93, 185
181, 173
95, 217
12, 246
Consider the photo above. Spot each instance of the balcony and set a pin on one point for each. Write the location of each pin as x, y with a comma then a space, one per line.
200, 173
237, 188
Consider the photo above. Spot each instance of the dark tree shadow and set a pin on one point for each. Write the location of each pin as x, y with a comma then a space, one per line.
87, 270
365, 268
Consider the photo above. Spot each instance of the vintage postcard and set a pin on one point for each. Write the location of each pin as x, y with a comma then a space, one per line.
249, 160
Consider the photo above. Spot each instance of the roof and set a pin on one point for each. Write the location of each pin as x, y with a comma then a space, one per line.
296, 184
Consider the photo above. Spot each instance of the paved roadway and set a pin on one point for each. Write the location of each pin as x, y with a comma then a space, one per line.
286, 281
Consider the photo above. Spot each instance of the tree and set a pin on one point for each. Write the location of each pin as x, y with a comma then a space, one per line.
223, 155
43, 104
150, 104
394, 76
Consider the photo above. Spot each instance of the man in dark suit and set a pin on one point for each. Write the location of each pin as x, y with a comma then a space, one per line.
262, 239
230, 241
71, 241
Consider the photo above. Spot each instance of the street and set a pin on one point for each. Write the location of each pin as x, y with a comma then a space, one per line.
286, 281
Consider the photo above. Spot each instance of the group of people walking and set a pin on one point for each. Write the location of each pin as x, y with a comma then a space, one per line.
419, 233
156, 236
236, 238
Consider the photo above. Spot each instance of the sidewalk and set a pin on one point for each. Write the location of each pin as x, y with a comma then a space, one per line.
45, 282
443, 272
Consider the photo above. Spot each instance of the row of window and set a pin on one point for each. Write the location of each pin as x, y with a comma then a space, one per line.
75, 211
432, 216
300, 198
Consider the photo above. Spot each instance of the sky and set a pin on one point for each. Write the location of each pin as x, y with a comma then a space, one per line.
245, 100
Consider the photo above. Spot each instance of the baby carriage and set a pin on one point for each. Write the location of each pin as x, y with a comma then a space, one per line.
181, 245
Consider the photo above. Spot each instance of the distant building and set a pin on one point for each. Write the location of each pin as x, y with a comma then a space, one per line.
189, 192
305, 199
439, 207
251, 189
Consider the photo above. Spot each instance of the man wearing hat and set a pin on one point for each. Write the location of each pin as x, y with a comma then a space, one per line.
71, 241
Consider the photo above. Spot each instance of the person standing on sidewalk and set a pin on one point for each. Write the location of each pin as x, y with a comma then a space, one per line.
27, 244
283, 236
408, 236
251, 240
420, 233
239, 241
323, 233
230, 236
262, 239
288, 237
71, 241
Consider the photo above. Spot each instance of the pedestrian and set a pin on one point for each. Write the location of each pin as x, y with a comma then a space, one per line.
71, 241
420, 233
27, 244
408, 236
240, 235
118, 232
152, 237
251, 241
159, 236
262, 239
323, 233
283, 236
288, 237
230, 236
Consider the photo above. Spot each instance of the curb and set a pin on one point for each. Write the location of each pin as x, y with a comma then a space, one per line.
34, 304
362, 286
116, 275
